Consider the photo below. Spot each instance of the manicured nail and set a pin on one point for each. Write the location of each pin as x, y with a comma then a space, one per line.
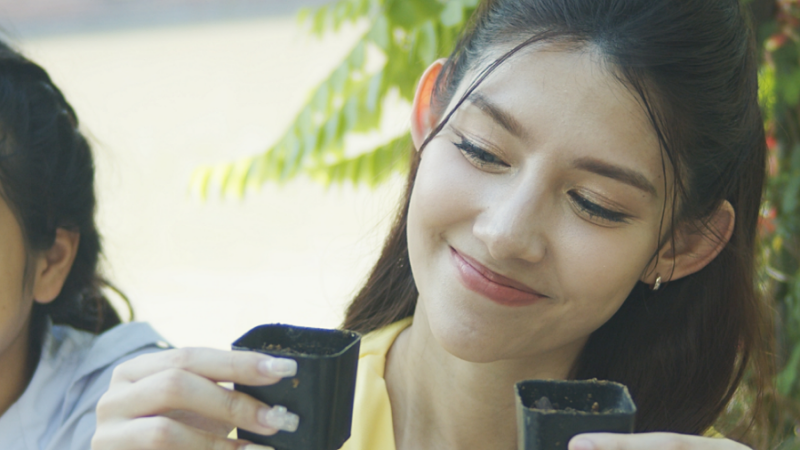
279, 418
581, 444
278, 367
256, 447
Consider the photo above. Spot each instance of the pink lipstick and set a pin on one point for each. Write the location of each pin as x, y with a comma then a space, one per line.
497, 288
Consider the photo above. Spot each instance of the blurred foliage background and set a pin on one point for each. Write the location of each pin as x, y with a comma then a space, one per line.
402, 37
778, 27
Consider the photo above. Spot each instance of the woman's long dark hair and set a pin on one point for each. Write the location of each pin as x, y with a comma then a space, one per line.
47, 179
682, 350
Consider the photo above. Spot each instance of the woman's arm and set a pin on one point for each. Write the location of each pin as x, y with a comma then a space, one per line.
172, 400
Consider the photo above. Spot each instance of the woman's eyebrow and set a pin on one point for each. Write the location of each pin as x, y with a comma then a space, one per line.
627, 176
502, 118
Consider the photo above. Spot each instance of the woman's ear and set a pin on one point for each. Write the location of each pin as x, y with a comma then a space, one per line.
423, 119
693, 247
53, 266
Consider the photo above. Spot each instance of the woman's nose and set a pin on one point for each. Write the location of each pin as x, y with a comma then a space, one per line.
513, 225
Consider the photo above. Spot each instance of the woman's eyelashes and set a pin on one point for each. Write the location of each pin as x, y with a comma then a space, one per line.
596, 211
484, 159
477, 155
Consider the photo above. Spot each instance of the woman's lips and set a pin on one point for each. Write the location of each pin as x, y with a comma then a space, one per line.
491, 285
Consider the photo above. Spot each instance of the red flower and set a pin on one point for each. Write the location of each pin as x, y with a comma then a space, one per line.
766, 221
775, 42
772, 143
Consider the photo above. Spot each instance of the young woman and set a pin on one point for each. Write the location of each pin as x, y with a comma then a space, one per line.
582, 204
60, 338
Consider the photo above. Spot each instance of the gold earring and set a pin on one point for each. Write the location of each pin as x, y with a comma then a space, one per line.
657, 284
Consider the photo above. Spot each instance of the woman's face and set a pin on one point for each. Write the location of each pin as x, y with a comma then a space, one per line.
15, 301
536, 209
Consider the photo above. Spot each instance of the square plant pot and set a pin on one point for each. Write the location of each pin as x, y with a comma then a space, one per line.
322, 391
551, 412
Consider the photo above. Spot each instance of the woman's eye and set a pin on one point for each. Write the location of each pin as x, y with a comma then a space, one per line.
478, 155
596, 211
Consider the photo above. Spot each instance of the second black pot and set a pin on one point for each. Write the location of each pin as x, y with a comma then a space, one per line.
551, 412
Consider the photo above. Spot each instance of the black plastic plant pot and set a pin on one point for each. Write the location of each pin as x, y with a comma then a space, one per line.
550, 412
322, 391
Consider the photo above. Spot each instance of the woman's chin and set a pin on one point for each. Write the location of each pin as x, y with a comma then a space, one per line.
469, 340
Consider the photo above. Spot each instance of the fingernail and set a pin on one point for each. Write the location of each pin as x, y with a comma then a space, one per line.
581, 444
278, 367
256, 447
279, 418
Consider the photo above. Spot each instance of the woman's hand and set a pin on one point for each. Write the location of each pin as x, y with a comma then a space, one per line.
650, 441
171, 400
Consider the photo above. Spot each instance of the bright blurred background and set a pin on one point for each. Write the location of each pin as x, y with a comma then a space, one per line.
163, 86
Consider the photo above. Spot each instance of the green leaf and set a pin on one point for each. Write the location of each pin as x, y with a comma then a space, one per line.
452, 14
788, 376
259, 172
341, 12
350, 112
379, 33
374, 91
237, 179
339, 77
790, 195
322, 98
294, 149
332, 131
274, 164
220, 175
307, 145
320, 19
304, 14
408, 14
367, 120
791, 87
795, 159
358, 56
362, 8
369, 168
304, 122
426, 42
198, 182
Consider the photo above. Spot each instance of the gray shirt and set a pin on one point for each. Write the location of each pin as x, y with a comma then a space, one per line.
56, 411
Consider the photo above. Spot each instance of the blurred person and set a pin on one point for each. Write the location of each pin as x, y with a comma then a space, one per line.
582, 203
60, 337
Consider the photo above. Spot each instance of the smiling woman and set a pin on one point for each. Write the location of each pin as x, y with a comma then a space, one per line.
582, 203
599, 180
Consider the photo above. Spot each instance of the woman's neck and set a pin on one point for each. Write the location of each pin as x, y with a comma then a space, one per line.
15, 372
443, 402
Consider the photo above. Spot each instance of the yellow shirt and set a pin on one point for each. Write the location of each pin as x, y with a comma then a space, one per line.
372, 414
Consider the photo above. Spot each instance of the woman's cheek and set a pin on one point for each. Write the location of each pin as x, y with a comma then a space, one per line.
446, 190
604, 264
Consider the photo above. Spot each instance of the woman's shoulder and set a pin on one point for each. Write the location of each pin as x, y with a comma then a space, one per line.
122, 342
57, 408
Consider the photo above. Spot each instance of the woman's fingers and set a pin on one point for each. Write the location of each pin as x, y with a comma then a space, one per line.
654, 441
157, 433
149, 392
248, 368
180, 390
